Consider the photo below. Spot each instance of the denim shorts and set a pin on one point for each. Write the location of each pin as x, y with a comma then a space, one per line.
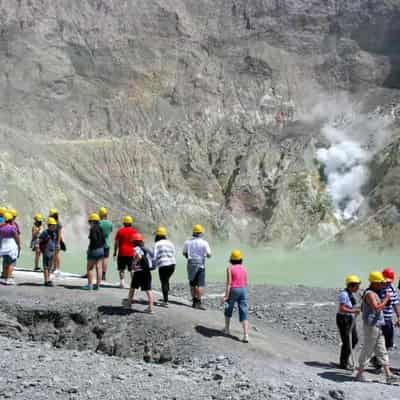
239, 296
95, 254
7, 260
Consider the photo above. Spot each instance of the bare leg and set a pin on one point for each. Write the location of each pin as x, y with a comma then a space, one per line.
46, 275
8, 271
90, 265
150, 299
37, 258
57, 260
99, 265
245, 329
104, 266
131, 295
122, 278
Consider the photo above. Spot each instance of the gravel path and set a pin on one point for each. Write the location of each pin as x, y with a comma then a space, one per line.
63, 343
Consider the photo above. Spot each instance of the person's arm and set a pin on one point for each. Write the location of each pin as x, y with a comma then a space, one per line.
347, 310
116, 244
208, 251
371, 299
18, 241
228, 284
185, 251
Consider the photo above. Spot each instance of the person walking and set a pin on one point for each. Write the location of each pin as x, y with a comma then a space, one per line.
392, 306
236, 292
141, 278
373, 320
196, 250
123, 245
36, 231
346, 319
164, 260
106, 227
95, 252
10, 247
53, 213
47, 246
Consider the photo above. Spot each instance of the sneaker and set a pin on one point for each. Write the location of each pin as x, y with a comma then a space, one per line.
87, 287
10, 282
57, 273
226, 331
200, 306
122, 285
49, 284
96, 287
149, 310
393, 380
37, 269
163, 304
245, 339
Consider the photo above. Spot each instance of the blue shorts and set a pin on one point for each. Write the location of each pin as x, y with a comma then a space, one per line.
199, 279
239, 296
95, 254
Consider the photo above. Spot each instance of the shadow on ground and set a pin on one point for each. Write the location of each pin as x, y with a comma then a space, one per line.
211, 332
336, 376
117, 310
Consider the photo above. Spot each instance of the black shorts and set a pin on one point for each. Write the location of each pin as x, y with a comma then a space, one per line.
124, 262
141, 280
48, 261
106, 252
199, 279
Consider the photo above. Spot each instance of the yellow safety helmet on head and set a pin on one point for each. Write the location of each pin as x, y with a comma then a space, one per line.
376, 277
236, 255
161, 231
352, 279
51, 221
13, 212
127, 220
3, 210
197, 229
53, 211
8, 216
38, 217
103, 212
94, 217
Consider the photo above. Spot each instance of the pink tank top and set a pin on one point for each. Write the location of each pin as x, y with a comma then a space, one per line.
239, 276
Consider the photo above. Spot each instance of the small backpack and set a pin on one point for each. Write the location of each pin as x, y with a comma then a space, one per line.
146, 262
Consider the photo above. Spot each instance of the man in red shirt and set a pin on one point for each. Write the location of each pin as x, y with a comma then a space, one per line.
124, 245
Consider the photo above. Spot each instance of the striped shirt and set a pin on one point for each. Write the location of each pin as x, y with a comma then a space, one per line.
164, 253
394, 302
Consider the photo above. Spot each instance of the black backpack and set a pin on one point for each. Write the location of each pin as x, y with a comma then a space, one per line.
146, 262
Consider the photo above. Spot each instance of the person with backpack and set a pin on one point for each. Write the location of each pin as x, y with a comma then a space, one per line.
236, 292
60, 245
106, 226
373, 320
142, 266
36, 231
123, 245
345, 319
10, 248
47, 246
164, 260
196, 250
95, 252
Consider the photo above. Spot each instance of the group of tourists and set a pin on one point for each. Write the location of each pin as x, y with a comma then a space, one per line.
379, 303
131, 256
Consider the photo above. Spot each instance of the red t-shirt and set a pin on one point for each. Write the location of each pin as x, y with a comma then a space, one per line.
124, 237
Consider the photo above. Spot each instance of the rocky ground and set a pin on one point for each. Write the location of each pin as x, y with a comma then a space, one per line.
67, 344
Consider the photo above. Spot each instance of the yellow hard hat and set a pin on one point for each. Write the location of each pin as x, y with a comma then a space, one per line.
103, 212
8, 217
53, 211
38, 217
93, 217
236, 255
198, 229
161, 231
127, 220
352, 279
376, 277
51, 221
13, 212
3, 210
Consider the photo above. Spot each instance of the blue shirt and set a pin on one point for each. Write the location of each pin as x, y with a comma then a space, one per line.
344, 298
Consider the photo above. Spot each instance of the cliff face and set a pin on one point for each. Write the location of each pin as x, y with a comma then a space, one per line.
187, 110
